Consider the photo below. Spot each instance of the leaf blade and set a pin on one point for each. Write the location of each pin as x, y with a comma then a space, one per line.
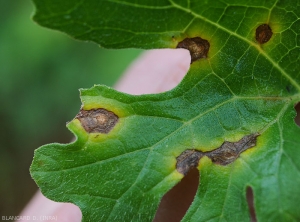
241, 88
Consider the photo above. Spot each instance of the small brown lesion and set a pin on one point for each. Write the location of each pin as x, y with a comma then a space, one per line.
197, 46
97, 120
227, 153
263, 33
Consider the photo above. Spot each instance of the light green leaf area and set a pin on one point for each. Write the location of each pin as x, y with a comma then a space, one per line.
241, 88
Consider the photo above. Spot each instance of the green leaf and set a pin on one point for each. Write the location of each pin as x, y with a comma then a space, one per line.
128, 148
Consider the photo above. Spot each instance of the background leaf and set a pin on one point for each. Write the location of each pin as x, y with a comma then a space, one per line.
242, 87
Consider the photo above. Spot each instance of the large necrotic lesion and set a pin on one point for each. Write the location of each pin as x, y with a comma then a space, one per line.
227, 153
97, 120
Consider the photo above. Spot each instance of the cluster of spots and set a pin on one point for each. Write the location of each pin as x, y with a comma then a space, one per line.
97, 120
263, 33
197, 46
223, 155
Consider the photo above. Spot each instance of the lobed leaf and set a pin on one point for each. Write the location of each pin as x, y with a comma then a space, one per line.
246, 84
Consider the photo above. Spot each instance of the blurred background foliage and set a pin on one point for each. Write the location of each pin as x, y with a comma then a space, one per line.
41, 71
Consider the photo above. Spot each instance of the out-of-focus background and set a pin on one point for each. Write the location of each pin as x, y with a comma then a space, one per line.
41, 71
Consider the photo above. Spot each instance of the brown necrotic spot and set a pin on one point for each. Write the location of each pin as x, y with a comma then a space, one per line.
188, 160
263, 33
223, 155
97, 120
230, 151
197, 46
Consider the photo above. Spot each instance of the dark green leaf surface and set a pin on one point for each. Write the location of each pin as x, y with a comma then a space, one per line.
241, 88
